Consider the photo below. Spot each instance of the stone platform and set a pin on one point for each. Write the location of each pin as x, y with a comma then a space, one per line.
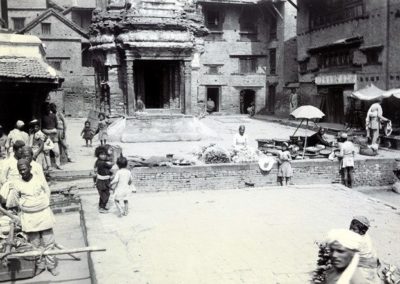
259, 235
158, 127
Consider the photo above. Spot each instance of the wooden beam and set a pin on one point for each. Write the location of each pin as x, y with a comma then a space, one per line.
293, 4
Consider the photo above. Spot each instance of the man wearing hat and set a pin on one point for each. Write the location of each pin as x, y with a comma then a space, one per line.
16, 134
347, 152
368, 263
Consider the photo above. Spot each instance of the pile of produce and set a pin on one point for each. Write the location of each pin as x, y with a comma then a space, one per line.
213, 154
246, 155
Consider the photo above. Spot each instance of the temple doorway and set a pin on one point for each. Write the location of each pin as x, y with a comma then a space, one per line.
158, 83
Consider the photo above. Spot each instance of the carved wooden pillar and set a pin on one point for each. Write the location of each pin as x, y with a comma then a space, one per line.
130, 81
187, 81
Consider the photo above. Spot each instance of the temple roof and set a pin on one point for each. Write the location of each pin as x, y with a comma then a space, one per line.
147, 23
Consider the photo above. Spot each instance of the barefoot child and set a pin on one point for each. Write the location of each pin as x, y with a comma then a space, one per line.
285, 170
122, 181
102, 129
102, 169
87, 133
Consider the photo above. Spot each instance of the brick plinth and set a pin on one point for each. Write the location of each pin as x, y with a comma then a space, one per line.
370, 172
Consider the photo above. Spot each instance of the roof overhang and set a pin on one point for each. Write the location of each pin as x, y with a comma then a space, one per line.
341, 43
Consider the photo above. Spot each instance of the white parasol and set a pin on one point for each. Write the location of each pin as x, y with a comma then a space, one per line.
306, 113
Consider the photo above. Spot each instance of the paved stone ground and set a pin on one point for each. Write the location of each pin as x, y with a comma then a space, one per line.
230, 236
69, 234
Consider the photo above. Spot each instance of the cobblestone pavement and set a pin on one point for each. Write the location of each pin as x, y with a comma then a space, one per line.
230, 236
69, 234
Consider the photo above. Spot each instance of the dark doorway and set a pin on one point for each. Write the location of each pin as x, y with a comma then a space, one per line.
20, 102
158, 83
213, 94
248, 98
271, 98
332, 105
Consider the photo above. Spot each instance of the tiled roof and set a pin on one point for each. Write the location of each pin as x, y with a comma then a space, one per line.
25, 68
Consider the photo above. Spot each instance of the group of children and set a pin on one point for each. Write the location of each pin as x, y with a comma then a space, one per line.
88, 132
110, 179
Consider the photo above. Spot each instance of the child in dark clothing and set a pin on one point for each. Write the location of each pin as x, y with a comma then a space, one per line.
102, 169
87, 133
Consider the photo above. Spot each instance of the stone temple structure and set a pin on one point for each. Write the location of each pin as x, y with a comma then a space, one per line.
148, 49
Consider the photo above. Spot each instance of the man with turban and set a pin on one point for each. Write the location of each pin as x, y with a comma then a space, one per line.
344, 246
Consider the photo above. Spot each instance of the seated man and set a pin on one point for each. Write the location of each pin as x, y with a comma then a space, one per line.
210, 105
318, 138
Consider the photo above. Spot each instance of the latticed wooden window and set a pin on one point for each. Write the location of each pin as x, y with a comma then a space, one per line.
247, 65
46, 28
19, 23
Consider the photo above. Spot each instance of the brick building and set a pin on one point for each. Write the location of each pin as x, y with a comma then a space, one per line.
345, 45
62, 26
162, 52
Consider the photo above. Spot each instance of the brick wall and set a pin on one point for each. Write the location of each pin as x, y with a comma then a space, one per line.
370, 172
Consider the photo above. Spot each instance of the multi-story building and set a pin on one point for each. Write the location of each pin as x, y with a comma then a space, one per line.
345, 45
160, 51
62, 26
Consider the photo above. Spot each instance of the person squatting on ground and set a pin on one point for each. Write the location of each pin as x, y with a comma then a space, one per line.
61, 131
87, 133
32, 195
318, 138
102, 170
102, 129
347, 152
285, 171
123, 186
344, 246
49, 127
16, 134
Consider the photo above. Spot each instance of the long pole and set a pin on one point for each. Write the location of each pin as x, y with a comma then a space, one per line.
298, 126
305, 142
33, 253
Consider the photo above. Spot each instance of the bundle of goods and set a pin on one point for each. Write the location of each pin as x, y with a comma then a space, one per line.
323, 264
246, 155
213, 154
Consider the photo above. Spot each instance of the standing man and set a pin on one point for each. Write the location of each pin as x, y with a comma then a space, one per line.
37, 219
373, 122
293, 100
16, 134
347, 152
49, 127
62, 130
9, 170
